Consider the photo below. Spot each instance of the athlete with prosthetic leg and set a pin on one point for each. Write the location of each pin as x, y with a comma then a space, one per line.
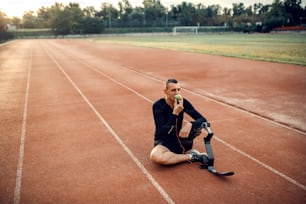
173, 139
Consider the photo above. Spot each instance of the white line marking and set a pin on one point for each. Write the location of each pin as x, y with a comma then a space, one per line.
245, 111
22, 137
262, 164
129, 152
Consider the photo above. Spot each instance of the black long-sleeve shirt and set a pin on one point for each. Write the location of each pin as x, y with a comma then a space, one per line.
168, 125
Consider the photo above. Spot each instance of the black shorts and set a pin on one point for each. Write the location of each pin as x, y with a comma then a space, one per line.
177, 148
185, 143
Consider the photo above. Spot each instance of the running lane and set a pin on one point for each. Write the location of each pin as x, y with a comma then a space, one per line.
15, 63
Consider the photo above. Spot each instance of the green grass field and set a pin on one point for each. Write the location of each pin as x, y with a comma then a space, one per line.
283, 48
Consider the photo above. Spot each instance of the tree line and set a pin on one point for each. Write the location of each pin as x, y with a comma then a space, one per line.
72, 19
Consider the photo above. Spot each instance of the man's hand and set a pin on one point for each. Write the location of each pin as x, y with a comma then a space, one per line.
184, 132
178, 106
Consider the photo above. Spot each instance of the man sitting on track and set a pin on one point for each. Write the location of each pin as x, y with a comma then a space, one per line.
173, 139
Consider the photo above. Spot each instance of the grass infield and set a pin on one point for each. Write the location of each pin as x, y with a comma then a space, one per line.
283, 48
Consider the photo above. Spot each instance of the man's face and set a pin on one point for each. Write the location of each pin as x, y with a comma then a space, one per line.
172, 90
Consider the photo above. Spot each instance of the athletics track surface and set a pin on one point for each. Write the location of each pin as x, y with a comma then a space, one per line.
77, 127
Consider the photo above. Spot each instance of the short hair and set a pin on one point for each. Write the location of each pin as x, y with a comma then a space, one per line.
171, 81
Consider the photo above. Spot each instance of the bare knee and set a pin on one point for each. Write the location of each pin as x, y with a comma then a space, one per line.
158, 155
162, 155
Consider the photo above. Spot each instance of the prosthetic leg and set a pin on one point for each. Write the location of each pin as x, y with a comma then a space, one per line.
210, 165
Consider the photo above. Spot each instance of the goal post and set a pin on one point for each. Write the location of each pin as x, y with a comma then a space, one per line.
185, 30
195, 30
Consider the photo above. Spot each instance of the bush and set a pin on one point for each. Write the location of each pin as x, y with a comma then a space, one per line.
25, 33
137, 30
90, 25
5, 36
273, 22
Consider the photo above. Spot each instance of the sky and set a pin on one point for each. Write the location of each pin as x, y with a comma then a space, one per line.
18, 7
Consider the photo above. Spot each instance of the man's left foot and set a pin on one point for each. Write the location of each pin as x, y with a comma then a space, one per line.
199, 157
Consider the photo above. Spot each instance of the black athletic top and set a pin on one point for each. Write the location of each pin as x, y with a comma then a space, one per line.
168, 125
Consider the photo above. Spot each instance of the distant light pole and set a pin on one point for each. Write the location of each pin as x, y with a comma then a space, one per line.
167, 18
109, 17
144, 17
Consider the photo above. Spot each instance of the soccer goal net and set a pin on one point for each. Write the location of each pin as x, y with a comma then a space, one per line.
194, 30
185, 30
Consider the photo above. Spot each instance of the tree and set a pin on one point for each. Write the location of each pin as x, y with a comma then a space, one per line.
30, 20
137, 17
15, 21
264, 9
257, 7
276, 16
225, 18
3, 21
4, 35
66, 19
89, 11
185, 14
62, 24
125, 11
248, 11
75, 15
43, 15
71, 19
238, 9
294, 9
108, 13
53, 17
208, 16
90, 25
154, 12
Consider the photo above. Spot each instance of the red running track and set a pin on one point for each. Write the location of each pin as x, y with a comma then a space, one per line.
76, 125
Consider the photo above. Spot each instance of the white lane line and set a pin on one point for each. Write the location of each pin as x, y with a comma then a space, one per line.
123, 145
23, 136
263, 164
